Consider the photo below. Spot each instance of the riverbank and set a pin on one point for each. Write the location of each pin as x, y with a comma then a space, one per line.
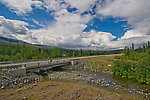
56, 90
7, 82
98, 79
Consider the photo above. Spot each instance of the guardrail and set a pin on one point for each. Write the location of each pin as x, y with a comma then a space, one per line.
48, 59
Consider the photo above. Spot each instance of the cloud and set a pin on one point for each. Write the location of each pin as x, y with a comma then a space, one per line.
22, 6
36, 22
82, 5
136, 12
7, 27
68, 29
85, 40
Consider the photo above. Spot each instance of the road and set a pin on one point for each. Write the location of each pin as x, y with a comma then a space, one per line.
53, 61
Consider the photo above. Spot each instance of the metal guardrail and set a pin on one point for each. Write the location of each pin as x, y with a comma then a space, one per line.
6, 62
46, 59
33, 64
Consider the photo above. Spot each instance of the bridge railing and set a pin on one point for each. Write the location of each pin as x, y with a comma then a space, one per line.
31, 60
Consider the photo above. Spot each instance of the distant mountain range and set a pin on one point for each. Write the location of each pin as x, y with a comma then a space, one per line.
14, 40
9, 40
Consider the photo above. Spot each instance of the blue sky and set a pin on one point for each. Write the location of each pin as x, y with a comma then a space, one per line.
39, 15
96, 24
109, 25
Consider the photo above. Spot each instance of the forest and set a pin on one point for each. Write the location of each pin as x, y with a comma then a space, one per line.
134, 64
19, 51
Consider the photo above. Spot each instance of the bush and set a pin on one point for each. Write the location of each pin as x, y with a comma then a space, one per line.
20, 85
138, 70
50, 71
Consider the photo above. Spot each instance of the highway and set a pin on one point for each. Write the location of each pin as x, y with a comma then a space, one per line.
51, 61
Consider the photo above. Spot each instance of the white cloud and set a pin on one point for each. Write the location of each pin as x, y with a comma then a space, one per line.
15, 29
86, 40
22, 6
135, 11
82, 5
36, 22
7, 27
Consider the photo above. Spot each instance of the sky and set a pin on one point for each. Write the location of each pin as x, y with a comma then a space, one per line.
77, 24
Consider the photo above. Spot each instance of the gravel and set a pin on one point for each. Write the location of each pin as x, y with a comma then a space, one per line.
76, 76
11, 82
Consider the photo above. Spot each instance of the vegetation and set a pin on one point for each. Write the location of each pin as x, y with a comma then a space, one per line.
22, 51
20, 85
100, 64
50, 71
135, 64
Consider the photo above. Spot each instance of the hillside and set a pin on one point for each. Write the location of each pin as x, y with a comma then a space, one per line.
14, 50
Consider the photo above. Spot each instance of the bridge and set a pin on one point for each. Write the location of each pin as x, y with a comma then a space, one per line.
24, 67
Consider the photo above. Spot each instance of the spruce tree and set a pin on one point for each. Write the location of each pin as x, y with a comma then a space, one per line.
126, 51
132, 46
139, 49
148, 44
143, 47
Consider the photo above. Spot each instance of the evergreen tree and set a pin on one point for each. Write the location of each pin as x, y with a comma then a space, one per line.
81, 51
126, 51
148, 44
132, 46
143, 49
139, 49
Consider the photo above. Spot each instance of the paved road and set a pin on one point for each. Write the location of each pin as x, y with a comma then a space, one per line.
61, 60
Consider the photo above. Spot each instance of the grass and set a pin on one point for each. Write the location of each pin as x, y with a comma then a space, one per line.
19, 85
50, 71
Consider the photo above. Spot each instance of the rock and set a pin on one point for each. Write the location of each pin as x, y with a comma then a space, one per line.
7, 83
2, 87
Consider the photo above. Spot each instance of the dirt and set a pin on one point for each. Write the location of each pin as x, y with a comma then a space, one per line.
56, 90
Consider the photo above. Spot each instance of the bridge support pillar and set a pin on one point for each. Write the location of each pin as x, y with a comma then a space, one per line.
72, 63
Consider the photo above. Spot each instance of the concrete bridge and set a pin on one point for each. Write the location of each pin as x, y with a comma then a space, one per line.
22, 68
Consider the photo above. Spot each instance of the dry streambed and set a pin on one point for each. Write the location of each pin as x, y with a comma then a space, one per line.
101, 80
14, 82
56, 90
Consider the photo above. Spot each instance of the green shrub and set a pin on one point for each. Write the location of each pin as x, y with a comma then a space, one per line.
50, 71
136, 67
20, 85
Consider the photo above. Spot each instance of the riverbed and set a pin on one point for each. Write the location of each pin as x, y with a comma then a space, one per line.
104, 80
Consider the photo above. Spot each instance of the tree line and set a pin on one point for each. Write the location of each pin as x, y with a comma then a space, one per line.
144, 49
22, 51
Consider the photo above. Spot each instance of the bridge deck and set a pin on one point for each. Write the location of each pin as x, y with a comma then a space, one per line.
48, 62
